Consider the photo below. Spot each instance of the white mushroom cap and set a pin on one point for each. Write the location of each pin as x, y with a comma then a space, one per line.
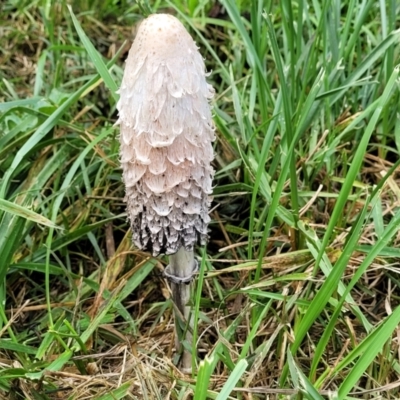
166, 136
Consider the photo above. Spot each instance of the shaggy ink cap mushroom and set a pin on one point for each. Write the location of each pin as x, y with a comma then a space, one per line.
166, 136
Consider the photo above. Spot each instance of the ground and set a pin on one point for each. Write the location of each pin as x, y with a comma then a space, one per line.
297, 296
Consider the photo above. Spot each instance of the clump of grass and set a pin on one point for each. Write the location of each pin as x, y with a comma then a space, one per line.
298, 290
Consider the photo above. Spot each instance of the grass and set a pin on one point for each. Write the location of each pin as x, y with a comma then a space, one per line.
298, 292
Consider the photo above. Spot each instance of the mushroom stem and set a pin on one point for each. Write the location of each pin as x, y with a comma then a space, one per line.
180, 271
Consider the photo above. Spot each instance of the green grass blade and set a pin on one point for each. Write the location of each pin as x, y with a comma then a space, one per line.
96, 58
369, 348
118, 393
17, 347
301, 381
233, 379
24, 212
358, 158
203, 378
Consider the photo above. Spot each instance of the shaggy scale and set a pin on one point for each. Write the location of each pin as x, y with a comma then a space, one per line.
166, 136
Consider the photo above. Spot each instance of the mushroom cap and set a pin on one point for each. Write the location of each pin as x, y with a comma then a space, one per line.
166, 137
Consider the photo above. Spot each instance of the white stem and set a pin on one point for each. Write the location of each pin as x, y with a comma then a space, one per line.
181, 264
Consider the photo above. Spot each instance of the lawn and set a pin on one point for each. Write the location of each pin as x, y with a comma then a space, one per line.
297, 295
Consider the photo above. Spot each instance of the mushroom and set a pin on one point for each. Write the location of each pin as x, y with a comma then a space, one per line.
166, 153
